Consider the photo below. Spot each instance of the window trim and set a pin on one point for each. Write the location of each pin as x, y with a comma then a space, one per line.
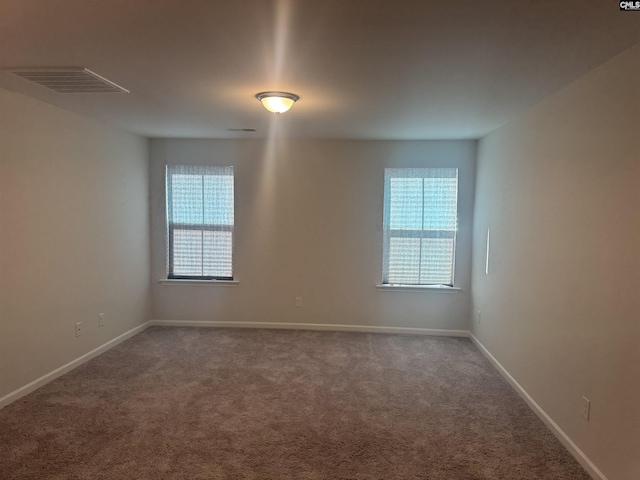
171, 226
387, 233
198, 282
400, 287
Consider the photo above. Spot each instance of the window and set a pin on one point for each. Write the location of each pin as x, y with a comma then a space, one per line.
420, 220
200, 222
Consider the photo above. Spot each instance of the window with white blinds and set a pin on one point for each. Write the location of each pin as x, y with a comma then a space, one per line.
200, 222
420, 222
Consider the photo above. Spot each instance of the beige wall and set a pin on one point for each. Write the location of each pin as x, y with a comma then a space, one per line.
560, 190
74, 236
309, 224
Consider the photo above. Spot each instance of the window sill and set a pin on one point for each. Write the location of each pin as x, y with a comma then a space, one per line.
203, 283
418, 288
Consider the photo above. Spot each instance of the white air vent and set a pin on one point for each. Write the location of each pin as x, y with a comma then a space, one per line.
69, 80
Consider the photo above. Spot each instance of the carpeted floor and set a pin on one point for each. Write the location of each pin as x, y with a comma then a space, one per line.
187, 403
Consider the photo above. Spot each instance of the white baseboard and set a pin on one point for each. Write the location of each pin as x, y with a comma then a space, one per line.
43, 380
578, 454
312, 326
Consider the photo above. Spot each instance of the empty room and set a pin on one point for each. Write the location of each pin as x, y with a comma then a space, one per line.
320, 239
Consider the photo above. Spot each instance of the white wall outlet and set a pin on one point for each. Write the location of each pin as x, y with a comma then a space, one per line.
78, 329
101, 320
586, 408
298, 301
478, 317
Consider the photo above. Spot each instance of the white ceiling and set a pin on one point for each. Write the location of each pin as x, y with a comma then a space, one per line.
369, 69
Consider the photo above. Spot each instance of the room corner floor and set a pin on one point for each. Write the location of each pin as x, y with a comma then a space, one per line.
191, 403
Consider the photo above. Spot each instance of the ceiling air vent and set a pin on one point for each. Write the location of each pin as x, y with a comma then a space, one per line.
69, 80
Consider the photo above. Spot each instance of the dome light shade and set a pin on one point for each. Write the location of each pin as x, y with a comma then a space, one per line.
277, 102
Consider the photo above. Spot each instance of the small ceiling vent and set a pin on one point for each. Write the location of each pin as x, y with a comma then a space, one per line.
69, 80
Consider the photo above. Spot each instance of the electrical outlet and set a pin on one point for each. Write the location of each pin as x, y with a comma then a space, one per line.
298, 301
478, 317
78, 329
586, 408
101, 320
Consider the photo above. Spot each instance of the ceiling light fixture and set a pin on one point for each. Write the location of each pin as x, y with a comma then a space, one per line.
277, 102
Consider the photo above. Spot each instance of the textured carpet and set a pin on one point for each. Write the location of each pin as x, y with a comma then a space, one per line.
189, 403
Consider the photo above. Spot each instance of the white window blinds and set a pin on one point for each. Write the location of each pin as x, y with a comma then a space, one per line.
420, 221
200, 222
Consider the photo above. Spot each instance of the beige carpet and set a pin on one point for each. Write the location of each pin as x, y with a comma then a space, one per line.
190, 403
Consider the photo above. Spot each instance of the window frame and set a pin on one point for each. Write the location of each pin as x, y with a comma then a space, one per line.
388, 233
203, 227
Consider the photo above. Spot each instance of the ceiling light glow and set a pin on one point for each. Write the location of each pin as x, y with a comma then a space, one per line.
277, 102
